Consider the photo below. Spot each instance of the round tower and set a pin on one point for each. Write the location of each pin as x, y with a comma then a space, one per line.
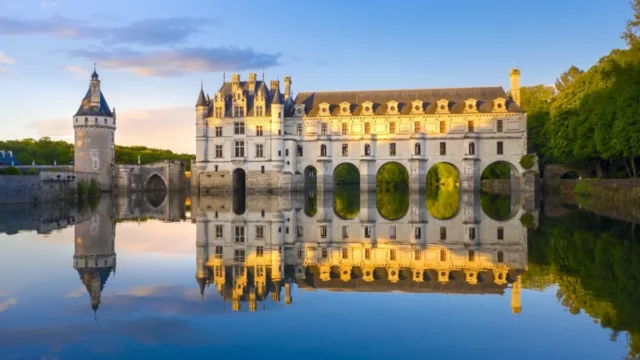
94, 125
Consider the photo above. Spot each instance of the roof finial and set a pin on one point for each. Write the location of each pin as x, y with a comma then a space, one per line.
201, 84
263, 74
224, 77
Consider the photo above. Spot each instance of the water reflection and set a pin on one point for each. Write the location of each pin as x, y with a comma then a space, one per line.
274, 245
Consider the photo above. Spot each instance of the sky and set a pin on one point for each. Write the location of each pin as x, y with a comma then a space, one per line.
153, 55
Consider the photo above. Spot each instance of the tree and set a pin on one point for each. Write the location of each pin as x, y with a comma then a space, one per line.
567, 78
631, 34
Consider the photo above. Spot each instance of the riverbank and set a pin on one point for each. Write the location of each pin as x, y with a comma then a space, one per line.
614, 198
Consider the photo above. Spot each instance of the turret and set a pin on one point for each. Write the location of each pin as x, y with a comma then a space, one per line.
277, 125
94, 126
202, 110
516, 289
515, 85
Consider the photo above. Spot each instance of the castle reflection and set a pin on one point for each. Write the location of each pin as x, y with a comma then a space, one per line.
279, 241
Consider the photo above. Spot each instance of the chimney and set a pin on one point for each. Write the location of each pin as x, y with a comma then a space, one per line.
252, 82
235, 80
287, 88
275, 85
515, 85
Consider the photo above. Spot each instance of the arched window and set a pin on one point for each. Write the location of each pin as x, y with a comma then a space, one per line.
323, 150
417, 149
472, 148
367, 150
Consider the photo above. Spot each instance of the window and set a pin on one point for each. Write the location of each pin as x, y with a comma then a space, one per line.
392, 232
300, 231
500, 256
392, 127
367, 128
472, 255
392, 149
218, 252
500, 148
472, 233
325, 253
219, 231
239, 234
443, 127
367, 232
392, 255
259, 232
239, 148
262, 169
323, 231
443, 233
286, 152
499, 125
472, 148
367, 254
443, 148
299, 150
259, 150
345, 128
416, 127
500, 233
238, 110
300, 252
345, 149
345, 232
471, 126
367, 150
238, 255
418, 233
238, 128
299, 129
259, 110
218, 112
286, 230
417, 149
105, 121
323, 150
262, 213
345, 253
417, 255
218, 151
323, 129
219, 131
259, 251
443, 255
259, 130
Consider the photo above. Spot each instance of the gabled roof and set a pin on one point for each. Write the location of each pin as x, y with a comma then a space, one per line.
429, 97
227, 91
87, 110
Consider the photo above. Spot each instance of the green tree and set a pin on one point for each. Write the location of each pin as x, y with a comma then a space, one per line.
567, 78
632, 30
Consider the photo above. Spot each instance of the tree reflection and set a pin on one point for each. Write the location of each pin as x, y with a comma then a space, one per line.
595, 263
392, 191
443, 191
496, 206
346, 203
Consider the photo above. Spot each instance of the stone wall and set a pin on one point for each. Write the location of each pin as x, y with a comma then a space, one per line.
615, 198
46, 187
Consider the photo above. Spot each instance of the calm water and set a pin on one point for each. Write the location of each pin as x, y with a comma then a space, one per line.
349, 275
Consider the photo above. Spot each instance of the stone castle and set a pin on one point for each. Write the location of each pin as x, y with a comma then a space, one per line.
251, 134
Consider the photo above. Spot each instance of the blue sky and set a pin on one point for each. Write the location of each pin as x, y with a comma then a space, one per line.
152, 55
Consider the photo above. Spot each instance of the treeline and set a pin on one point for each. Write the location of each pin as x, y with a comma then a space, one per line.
46, 151
592, 117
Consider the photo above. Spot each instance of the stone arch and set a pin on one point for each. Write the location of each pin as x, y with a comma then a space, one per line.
555, 172
310, 177
346, 201
155, 199
155, 182
239, 181
346, 174
392, 190
570, 175
487, 172
443, 191
499, 207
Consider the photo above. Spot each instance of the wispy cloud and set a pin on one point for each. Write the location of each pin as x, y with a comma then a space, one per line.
5, 59
5, 304
179, 61
77, 70
149, 32
45, 4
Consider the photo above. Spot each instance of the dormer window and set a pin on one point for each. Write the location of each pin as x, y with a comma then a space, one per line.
500, 105
471, 106
367, 108
417, 107
324, 109
442, 106
345, 108
299, 110
218, 112
392, 107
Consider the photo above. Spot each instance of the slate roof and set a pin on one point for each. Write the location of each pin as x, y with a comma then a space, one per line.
429, 98
87, 110
6, 159
271, 97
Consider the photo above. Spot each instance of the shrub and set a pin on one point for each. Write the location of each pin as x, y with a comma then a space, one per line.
93, 190
582, 188
31, 172
527, 220
527, 161
83, 190
11, 170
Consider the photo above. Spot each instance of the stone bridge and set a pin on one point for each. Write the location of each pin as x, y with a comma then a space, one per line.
167, 175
